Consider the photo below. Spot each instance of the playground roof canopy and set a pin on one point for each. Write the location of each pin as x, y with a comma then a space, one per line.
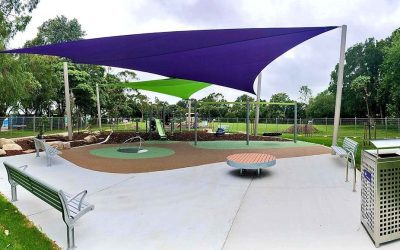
175, 87
228, 57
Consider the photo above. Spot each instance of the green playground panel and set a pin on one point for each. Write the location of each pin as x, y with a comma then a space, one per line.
252, 145
159, 142
160, 129
112, 152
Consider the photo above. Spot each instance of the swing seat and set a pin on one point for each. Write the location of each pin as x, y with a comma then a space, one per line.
220, 132
272, 134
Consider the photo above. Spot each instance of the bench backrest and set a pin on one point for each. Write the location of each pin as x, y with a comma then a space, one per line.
350, 145
41, 190
40, 144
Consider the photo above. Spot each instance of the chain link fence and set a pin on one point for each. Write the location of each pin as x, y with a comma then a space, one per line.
19, 126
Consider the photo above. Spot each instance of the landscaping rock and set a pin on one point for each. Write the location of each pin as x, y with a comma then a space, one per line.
302, 128
56, 144
2, 152
97, 133
90, 139
29, 151
66, 145
14, 147
4, 141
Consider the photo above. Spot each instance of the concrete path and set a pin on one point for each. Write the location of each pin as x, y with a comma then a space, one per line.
301, 203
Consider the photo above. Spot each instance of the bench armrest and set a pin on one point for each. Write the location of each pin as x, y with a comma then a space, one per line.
81, 195
23, 167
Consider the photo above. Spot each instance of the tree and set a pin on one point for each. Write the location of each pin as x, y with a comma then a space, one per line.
45, 71
127, 76
15, 81
323, 105
391, 75
57, 30
85, 98
280, 111
360, 84
305, 94
142, 102
240, 110
49, 70
362, 59
14, 17
213, 110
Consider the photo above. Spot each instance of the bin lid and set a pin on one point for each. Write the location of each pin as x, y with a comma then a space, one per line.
387, 143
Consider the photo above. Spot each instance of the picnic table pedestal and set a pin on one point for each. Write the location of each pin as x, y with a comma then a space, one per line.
251, 161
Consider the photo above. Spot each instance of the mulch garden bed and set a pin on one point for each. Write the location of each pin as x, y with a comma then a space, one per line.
120, 136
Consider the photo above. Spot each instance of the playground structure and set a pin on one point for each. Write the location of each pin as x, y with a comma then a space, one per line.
130, 149
247, 103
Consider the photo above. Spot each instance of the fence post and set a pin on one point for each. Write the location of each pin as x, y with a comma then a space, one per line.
355, 126
295, 124
10, 123
276, 124
51, 124
195, 124
326, 126
398, 123
34, 124
247, 121
386, 127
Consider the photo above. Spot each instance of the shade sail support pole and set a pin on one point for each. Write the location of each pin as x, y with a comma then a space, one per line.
67, 101
339, 86
195, 124
247, 121
257, 118
98, 106
295, 124
189, 117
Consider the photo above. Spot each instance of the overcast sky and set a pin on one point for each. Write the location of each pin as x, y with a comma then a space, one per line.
309, 63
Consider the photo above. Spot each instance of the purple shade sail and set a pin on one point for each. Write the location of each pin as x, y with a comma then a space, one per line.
230, 57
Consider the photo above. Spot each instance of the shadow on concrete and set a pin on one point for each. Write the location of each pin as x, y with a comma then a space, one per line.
250, 173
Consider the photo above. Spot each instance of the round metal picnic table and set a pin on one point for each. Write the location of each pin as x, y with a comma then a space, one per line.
251, 161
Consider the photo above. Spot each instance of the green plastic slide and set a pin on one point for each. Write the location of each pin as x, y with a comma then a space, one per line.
160, 129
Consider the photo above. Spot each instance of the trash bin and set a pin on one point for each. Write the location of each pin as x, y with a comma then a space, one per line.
380, 191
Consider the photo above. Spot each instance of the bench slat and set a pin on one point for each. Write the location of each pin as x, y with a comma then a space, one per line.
25, 182
43, 197
47, 195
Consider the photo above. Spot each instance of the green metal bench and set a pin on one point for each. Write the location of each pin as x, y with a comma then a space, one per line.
49, 150
348, 150
72, 207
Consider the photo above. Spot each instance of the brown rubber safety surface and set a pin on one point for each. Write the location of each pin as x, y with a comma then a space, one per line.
185, 156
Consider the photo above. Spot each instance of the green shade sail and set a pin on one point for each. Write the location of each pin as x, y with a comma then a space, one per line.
174, 87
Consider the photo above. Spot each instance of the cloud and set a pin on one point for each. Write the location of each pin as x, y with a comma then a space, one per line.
309, 63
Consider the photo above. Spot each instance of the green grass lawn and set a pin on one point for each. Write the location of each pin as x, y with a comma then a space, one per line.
327, 141
17, 232
25, 133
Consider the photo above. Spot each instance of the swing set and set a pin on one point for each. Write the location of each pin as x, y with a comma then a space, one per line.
247, 103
